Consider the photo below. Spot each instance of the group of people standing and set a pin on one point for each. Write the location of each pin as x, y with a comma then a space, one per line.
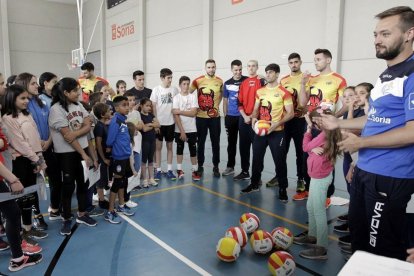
53, 126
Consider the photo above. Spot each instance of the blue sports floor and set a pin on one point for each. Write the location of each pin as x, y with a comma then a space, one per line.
177, 225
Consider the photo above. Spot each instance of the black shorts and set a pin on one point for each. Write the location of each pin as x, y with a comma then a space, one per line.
121, 168
191, 138
167, 133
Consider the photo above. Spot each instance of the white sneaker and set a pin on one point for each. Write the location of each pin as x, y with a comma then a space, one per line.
95, 198
152, 182
145, 183
107, 192
131, 204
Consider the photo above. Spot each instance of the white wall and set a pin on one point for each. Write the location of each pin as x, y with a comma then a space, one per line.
42, 35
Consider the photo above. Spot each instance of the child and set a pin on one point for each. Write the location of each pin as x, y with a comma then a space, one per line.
69, 125
120, 88
185, 108
323, 151
40, 114
360, 104
135, 158
119, 142
26, 151
103, 114
162, 103
134, 117
148, 142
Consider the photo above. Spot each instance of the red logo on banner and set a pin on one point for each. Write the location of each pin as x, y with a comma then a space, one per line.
236, 1
123, 30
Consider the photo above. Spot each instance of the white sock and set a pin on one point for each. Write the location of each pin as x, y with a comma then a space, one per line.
179, 167
159, 169
18, 259
169, 167
195, 168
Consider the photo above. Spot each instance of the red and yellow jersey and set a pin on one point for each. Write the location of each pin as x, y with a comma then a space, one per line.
272, 102
209, 92
327, 88
88, 85
293, 84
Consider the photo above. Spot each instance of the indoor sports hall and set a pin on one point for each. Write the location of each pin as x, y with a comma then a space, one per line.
178, 224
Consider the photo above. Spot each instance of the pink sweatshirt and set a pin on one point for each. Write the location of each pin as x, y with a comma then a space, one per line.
318, 165
24, 136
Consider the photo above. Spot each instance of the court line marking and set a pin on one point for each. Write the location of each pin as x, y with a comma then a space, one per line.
334, 238
171, 250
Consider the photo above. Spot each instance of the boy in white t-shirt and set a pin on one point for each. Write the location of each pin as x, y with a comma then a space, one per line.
135, 118
185, 108
162, 103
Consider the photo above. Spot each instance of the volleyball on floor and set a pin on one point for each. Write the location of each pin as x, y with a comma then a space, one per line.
238, 234
249, 222
261, 127
282, 237
261, 242
228, 249
281, 263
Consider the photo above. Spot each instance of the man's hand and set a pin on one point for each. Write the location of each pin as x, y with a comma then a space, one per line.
328, 122
350, 143
273, 127
247, 119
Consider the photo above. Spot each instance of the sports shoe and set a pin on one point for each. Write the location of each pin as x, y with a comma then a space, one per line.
345, 240
86, 219
103, 204
39, 223
316, 252
242, 176
112, 217
301, 196
95, 198
30, 249
216, 172
304, 240
272, 182
157, 175
145, 183
125, 210
4, 245
228, 171
300, 185
283, 195
27, 261
250, 189
54, 215
28, 239
95, 212
66, 228
346, 249
131, 204
152, 182
328, 203
171, 175
196, 176
343, 218
180, 174
36, 234
342, 228
200, 170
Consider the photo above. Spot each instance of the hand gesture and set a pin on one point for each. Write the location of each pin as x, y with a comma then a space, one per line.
350, 143
305, 77
183, 137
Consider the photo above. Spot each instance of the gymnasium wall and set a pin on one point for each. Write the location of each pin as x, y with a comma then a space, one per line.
41, 36
181, 34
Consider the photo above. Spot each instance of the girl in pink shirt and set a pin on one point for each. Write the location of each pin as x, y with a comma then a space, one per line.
26, 153
323, 151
